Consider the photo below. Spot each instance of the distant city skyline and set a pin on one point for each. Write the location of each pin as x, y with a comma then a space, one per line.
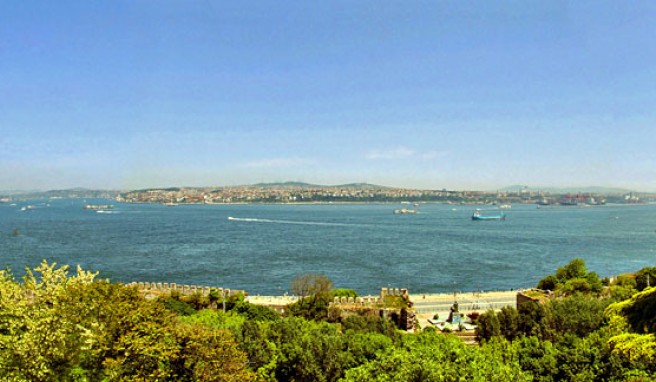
427, 95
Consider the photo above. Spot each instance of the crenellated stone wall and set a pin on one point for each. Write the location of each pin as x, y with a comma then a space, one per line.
367, 300
373, 300
157, 288
402, 292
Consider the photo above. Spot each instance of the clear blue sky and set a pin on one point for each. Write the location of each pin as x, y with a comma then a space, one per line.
437, 94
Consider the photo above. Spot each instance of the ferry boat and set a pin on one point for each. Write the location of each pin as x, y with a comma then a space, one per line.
479, 216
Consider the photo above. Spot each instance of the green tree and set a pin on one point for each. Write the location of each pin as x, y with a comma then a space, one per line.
595, 282
586, 358
548, 283
315, 292
308, 350
573, 286
254, 312
178, 307
640, 311
378, 325
231, 321
314, 307
572, 278
534, 320
488, 326
56, 327
539, 358
577, 315
37, 343
342, 292
310, 284
646, 277
509, 322
207, 354
261, 351
429, 357
623, 287
576, 269
365, 346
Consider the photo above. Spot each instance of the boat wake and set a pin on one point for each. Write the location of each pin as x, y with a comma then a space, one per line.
274, 221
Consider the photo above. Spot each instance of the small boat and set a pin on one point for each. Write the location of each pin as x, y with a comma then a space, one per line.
479, 216
404, 211
98, 206
505, 206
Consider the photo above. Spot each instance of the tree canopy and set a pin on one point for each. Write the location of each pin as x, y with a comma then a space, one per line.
572, 278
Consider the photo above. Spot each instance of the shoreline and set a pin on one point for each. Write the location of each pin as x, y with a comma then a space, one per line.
458, 203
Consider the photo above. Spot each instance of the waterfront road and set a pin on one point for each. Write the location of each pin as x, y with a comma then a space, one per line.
427, 305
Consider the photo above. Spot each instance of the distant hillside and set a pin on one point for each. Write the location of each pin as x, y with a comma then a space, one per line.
284, 185
302, 185
572, 190
69, 193
15, 192
360, 186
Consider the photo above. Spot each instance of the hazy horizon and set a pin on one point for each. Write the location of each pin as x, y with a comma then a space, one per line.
462, 96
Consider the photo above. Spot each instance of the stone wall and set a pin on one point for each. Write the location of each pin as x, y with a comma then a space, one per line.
402, 292
373, 300
367, 300
157, 288
374, 306
537, 295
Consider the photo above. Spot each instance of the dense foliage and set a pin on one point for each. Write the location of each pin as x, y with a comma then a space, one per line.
56, 327
60, 327
584, 334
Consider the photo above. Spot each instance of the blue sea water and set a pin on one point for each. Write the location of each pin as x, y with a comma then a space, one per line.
261, 248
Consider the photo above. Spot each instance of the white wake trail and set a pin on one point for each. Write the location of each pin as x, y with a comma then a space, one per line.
274, 221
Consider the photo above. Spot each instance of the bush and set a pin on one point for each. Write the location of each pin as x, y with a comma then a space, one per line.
645, 277
548, 283
178, 307
572, 278
343, 292
473, 317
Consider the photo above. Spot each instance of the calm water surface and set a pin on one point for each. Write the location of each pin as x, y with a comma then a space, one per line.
260, 248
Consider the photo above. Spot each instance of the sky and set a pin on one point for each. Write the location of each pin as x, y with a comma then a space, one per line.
437, 94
